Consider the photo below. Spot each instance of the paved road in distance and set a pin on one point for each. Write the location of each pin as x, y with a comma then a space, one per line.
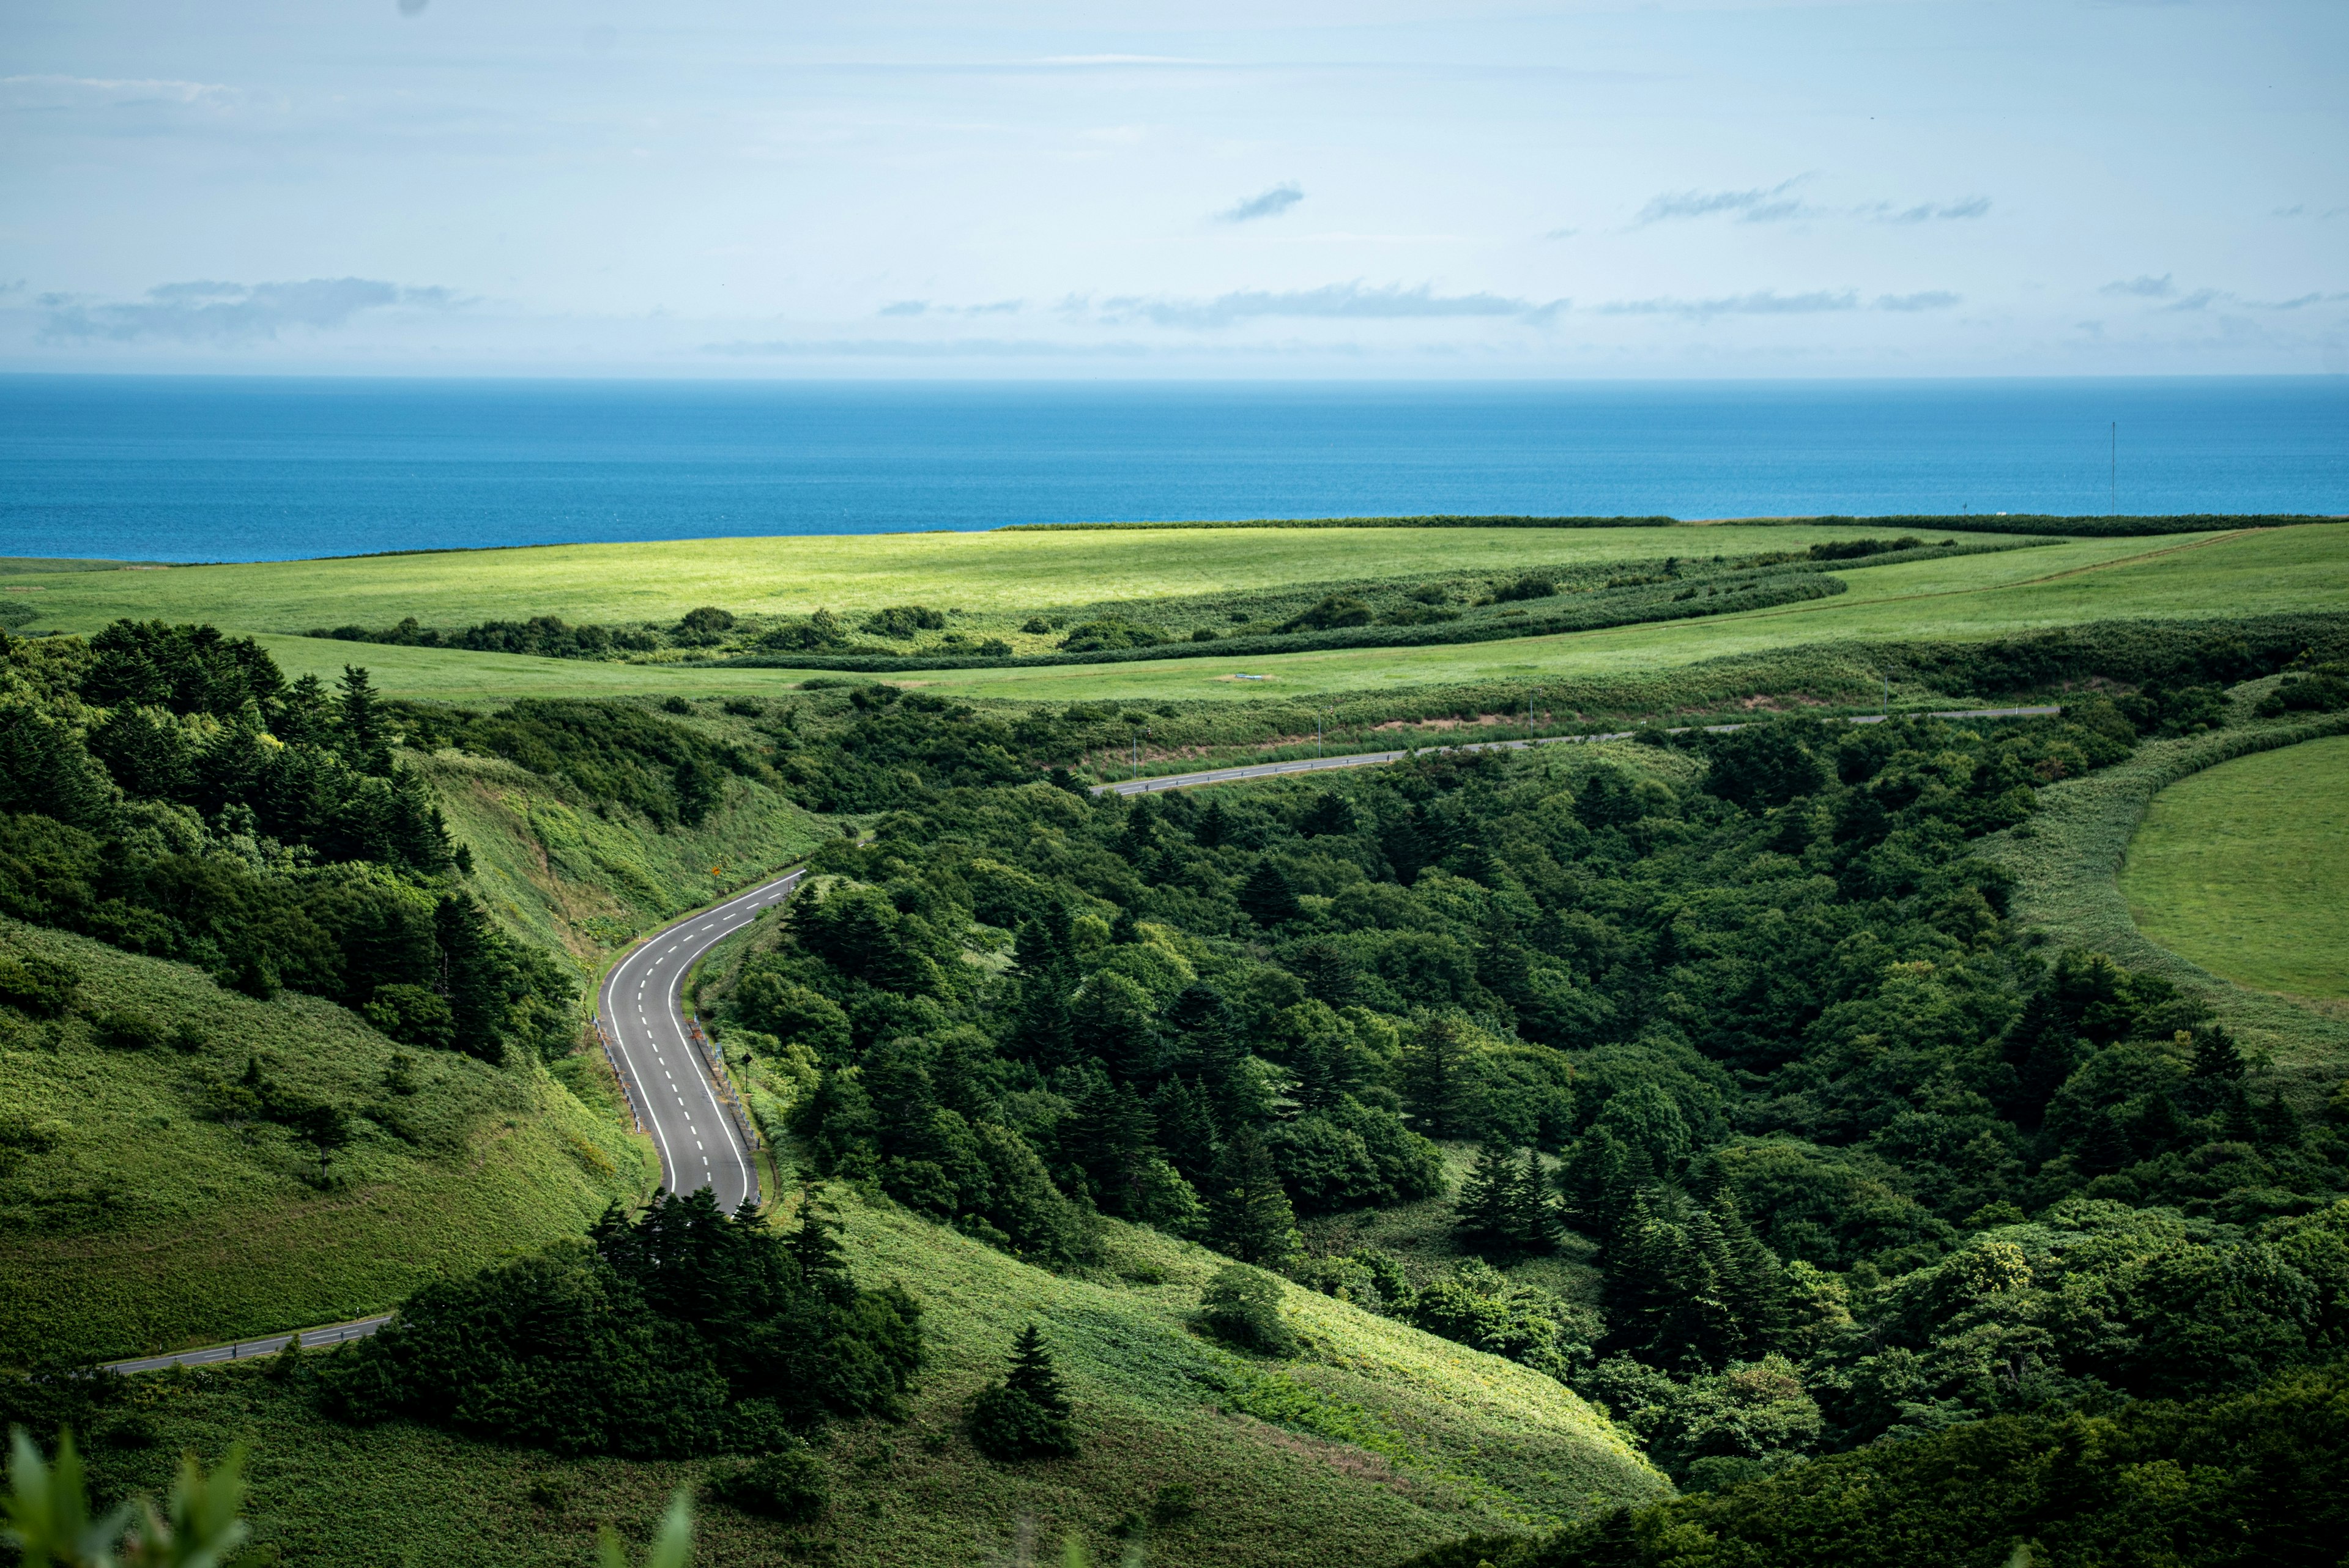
1381, 759
642, 1013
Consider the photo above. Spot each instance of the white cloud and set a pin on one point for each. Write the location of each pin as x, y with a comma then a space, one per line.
224, 313
1270, 204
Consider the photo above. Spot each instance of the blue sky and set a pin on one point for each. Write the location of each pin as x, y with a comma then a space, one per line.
1278, 188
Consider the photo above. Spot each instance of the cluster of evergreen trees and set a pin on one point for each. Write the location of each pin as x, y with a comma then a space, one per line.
683, 1331
165, 789
1744, 1028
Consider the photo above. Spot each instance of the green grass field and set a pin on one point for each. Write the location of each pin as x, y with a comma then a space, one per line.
2187, 576
844, 572
1380, 1441
559, 874
131, 1222
2244, 869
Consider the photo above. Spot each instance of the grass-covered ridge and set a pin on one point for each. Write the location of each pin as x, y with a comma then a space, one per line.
850, 574
1381, 1440
2240, 868
140, 1210
1971, 597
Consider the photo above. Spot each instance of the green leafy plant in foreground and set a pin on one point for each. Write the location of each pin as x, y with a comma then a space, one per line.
47, 1519
48, 1516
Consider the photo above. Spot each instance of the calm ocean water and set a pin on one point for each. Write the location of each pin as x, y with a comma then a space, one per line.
240, 469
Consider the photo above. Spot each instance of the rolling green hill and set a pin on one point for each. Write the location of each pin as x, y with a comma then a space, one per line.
2241, 868
1979, 596
846, 572
136, 1217
1379, 1441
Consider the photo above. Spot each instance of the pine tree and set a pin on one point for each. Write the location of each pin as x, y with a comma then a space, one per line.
1532, 1219
815, 1245
1437, 1089
1031, 1374
1186, 1129
1267, 898
1214, 827
367, 738
1111, 1137
1757, 1285
1248, 1213
475, 975
2216, 1056
1483, 1212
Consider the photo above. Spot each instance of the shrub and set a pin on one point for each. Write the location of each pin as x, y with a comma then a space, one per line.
1241, 1306
899, 622
789, 1484
42, 986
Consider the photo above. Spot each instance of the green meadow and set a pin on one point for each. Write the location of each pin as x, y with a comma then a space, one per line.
133, 1220
1975, 596
2242, 868
1378, 1442
843, 573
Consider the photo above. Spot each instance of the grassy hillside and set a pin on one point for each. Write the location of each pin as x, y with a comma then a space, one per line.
565, 875
2241, 868
134, 1220
2068, 861
1380, 1441
1988, 595
998, 571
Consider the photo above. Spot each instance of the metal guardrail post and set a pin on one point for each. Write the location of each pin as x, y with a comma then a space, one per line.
727, 1093
612, 1059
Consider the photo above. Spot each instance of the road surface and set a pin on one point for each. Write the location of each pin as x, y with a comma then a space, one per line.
642, 1015
1381, 759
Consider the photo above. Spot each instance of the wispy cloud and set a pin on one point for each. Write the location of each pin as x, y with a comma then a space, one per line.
2144, 286
1772, 205
1755, 206
932, 348
924, 308
1332, 301
208, 312
1561, 233
1764, 302
1932, 299
1270, 204
2165, 288
59, 92
1929, 212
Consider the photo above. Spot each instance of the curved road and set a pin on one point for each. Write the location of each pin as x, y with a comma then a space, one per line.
664, 1072
1383, 758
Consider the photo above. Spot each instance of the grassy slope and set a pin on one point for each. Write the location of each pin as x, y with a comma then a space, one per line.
2242, 868
562, 876
145, 1226
1381, 1441
1967, 596
2066, 861
656, 582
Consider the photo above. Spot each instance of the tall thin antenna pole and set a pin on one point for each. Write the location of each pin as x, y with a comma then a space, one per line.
2113, 506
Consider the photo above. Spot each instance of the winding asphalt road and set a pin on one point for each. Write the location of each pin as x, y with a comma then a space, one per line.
642, 1013
1381, 759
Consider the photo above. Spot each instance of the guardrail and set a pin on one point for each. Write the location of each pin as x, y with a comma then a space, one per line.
728, 1095
612, 1060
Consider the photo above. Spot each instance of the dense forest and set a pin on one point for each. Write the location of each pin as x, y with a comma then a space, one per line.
165, 789
1709, 1072
1741, 1028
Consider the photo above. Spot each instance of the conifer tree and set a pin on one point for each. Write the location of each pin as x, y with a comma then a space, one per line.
2215, 1055
367, 738
1756, 1284
1032, 1375
1186, 1129
1250, 1216
1267, 897
815, 1245
1532, 1219
1437, 1087
1484, 1211
1112, 1140
1214, 827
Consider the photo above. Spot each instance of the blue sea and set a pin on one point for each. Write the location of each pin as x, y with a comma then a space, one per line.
198, 469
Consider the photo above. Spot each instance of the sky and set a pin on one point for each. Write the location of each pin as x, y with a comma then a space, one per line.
1228, 189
